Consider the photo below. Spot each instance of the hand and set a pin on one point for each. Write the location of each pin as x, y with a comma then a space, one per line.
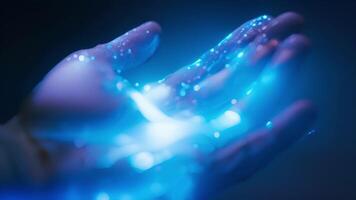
86, 93
239, 94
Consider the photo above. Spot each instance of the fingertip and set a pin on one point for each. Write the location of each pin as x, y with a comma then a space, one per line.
295, 120
292, 16
284, 25
153, 26
298, 41
291, 53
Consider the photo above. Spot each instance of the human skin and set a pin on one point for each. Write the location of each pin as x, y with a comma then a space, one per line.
78, 91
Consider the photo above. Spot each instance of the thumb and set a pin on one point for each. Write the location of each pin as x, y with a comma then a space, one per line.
83, 84
129, 50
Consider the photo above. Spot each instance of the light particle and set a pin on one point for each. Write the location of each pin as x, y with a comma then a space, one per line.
81, 58
147, 88
143, 160
249, 91
216, 134
196, 88
102, 196
233, 101
311, 132
182, 92
269, 124
119, 86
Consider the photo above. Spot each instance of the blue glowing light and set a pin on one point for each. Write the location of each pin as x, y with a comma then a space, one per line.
81, 58
216, 134
311, 132
147, 88
142, 161
182, 92
269, 124
240, 55
103, 196
148, 109
248, 92
228, 119
119, 85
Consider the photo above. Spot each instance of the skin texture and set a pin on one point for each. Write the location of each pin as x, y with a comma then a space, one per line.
78, 91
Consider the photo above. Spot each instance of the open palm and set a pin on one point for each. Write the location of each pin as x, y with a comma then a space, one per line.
211, 109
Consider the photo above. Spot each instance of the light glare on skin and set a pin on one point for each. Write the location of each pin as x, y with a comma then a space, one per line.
226, 120
216, 134
142, 161
148, 110
233, 101
103, 196
232, 117
182, 92
126, 197
147, 88
81, 58
240, 55
164, 133
249, 91
119, 86
269, 124
196, 88
158, 93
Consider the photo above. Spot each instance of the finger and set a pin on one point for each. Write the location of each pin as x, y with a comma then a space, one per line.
284, 25
236, 40
217, 88
129, 50
277, 77
244, 157
85, 86
241, 159
85, 81
213, 93
212, 61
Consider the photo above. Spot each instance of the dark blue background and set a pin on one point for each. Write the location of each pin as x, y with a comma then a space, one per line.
38, 34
